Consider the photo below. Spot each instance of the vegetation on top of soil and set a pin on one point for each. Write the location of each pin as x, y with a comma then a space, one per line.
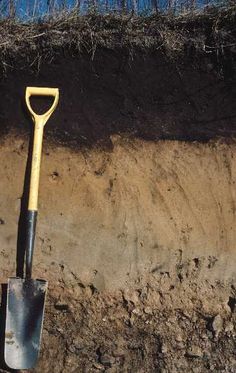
27, 9
212, 32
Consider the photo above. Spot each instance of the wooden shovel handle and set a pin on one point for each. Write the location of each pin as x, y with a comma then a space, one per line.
40, 91
39, 120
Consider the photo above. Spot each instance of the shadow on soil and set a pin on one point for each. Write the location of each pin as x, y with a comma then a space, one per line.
3, 366
20, 252
22, 224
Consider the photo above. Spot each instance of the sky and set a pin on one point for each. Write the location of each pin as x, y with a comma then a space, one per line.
37, 8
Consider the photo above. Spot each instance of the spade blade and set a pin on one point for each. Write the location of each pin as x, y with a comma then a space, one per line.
24, 321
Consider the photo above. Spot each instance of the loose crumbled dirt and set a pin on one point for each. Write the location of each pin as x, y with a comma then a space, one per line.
157, 325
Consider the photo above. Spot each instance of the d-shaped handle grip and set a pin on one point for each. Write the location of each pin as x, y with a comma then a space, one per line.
39, 91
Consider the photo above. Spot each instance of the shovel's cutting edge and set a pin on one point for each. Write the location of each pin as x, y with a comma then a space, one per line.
24, 319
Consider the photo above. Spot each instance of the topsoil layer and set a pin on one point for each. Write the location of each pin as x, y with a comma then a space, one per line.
150, 97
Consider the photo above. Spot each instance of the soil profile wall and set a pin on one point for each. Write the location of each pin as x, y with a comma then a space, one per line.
136, 229
108, 216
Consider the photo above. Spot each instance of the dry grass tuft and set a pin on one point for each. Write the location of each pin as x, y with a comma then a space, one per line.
29, 44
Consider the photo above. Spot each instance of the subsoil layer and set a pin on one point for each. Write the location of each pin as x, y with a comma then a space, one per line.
138, 245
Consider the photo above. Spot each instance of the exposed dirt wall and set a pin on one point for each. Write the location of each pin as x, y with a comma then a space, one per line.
138, 245
150, 97
109, 215
136, 229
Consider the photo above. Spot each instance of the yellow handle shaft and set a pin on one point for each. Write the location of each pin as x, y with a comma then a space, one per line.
35, 167
40, 121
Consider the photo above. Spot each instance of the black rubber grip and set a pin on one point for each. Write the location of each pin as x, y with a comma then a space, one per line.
31, 219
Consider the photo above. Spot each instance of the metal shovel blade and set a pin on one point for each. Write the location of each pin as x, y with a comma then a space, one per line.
24, 319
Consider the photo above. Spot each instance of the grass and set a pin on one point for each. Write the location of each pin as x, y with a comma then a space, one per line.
212, 32
35, 9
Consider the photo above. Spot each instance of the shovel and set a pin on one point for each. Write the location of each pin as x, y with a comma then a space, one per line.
26, 296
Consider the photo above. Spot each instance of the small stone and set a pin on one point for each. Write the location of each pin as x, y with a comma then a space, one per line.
136, 311
178, 338
78, 343
132, 320
107, 360
148, 310
217, 325
209, 334
207, 353
60, 306
131, 296
72, 349
229, 327
164, 349
194, 351
60, 330
98, 366
111, 370
119, 352
180, 346
197, 370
